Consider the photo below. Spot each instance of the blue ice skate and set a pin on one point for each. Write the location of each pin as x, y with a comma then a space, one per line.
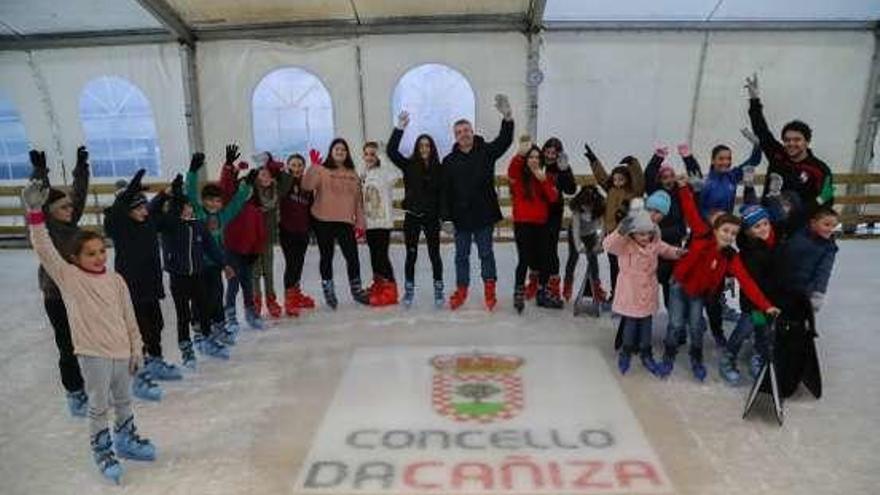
143, 387
129, 445
104, 457
161, 370
78, 403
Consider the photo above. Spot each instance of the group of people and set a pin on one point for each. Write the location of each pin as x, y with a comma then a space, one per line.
681, 237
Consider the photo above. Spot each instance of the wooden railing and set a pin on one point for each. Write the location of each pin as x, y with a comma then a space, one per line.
855, 209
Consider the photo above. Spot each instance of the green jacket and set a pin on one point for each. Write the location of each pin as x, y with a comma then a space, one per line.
216, 222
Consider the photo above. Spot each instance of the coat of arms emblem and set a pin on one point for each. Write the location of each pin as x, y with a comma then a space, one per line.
477, 387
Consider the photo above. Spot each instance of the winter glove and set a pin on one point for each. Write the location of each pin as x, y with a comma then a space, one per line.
251, 177
525, 144
197, 162
503, 106
315, 157
588, 152
752, 86
774, 185
360, 234
82, 157
39, 169
34, 194
817, 299
232, 154
402, 120
748, 176
177, 188
133, 187
562, 162
135, 363
748, 134
684, 150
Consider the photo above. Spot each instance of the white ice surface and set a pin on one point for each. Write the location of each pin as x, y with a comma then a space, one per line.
245, 426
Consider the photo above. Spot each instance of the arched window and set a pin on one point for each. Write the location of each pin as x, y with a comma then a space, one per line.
435, 96
120, 131
292, 113
14, 161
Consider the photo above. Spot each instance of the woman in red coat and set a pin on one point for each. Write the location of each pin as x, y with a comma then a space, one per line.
532, 193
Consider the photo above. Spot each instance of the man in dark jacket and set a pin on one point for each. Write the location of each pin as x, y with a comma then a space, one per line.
792, 159
471, 202
63, 212
130, 223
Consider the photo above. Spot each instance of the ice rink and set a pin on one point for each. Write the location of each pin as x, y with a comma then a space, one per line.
247, 425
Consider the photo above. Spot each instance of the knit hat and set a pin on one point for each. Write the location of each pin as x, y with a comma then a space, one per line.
659, 201
638, 220
137, 200
752, 214
55, 195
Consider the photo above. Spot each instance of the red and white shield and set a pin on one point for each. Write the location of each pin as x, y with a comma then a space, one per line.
480, 388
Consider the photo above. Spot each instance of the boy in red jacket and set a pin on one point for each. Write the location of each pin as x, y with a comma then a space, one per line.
244, 239
700, 274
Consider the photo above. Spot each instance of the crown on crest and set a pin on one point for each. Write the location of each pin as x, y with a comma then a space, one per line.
476, 363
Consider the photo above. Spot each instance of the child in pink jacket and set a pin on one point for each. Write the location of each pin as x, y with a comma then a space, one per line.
636, 243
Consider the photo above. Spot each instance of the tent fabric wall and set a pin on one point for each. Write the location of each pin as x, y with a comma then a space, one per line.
817, 77
17, 83
621, 92
230, 70
492, 64
624, 91
627, 92
155, 69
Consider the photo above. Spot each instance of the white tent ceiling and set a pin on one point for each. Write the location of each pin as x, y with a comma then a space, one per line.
712, 10
22, 18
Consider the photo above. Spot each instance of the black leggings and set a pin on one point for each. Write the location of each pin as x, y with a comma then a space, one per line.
412, 227
71, 377
294, 247
531, 251
150, 323
378, 241
573, 256
613, 270
211, 279
553, 226
343, 234
188, 290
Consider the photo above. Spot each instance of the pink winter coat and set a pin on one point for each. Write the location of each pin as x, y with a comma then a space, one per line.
636, 294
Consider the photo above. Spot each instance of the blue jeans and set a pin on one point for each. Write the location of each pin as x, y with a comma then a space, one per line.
684, 310
243, 266
637, 333
744, 329
463, 240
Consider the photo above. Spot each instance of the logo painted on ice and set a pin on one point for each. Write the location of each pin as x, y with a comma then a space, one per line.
477, 387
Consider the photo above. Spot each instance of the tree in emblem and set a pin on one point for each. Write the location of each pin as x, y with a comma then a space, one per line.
478, 392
